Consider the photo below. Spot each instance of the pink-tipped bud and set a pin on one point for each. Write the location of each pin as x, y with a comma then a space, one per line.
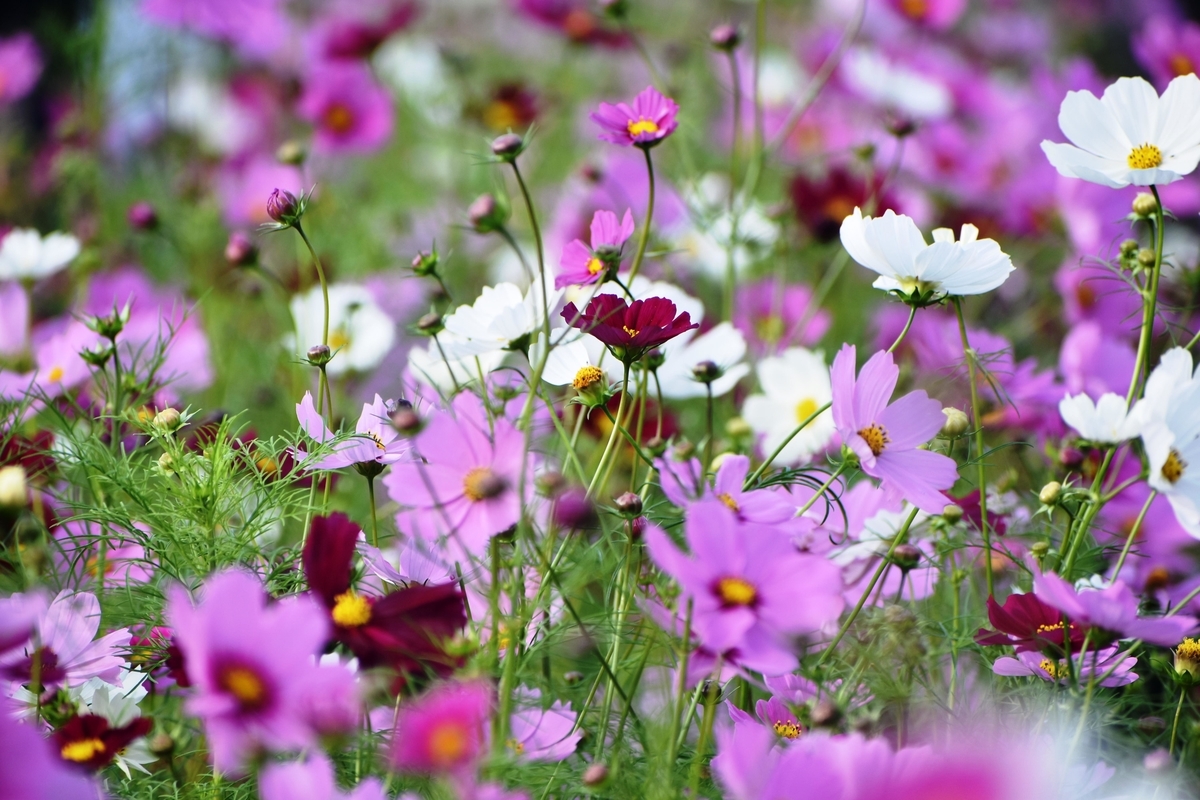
240, 250
282, 206
142, 216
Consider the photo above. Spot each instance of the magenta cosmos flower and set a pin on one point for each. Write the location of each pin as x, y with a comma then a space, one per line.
20, 67
252, 666
582, 264
31, 770
1114, 610
69, 653
650, 120
753, 593
462, 488
350, 111
540, 733
374, 447
630, 328
445, 731
885, 437
684, 485
1111, 667
312, 779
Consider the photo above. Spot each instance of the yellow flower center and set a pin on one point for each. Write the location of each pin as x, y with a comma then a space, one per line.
805, 409
595, 266
516, 747
875, 435
56, 375
1055, 669
1181, 65
915, 9
1173, 467
267, 466
736, 591
1187, 656
788, 730
481, 483
338, 338
448, 743
350, 610
586, 377
1047, 628
83, 750
769, 328
642, 125
244, 684
338, 118
729, 502
500, 115
1145, 156
630, 330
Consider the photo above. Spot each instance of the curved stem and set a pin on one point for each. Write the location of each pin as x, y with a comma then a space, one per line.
969, 355
1175, 724
775, 453
612, 437
644, 239
1133, 532
824, 488
912, 314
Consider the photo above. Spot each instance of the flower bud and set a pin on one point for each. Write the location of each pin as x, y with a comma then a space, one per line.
725, 37
653, 360
550, 484
573, 510
508, 146
824, 714
13, 489
629, 505
142, 216
573, 677
1039, 550
1070, 457
683, 451
430, 324
283, 207
952, 513
166, 462
291, 152
162, 744
656, 446
97, 355
406, 420
1049, 493
240, 250
487, 214
906, 556
1145, 257
1187, 657
595, 775
737, 427
168, 420
425, 263
319, 355
1159, 760
1144, 204
956, 423
1129, 247
637, 527
706, 372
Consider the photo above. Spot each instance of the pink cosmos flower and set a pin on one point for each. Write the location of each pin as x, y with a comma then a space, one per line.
350, 111
19, 615
444, 731
66, 647
576, 19
650, 120
356, 30
774, 715
312, 779
252, 666
14, 320
885, 437
770, 314
463, 488
1118, 666
684, 485
743, 580
1114, 610
1168, 48
584, 265
376, 445
20, 67
257, 28
30, 769
542, 734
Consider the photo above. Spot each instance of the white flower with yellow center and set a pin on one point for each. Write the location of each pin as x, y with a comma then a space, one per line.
435, 367
501, 318
360, 333
893, 246
795, 384
1169, 419
724, 346
26, 255
1130, 135
1105, 421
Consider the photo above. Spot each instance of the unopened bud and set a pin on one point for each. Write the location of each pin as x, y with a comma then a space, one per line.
629, 504
956, 423
406, 420
595, 775
282, 206
725, 37
550, 484
656, 446
952, 513
683, 451
1039, 550
13, 489
425, 263
240, 250
508, 146
142, 216
487, 214
1071, 458
706, 371
1145, 257
653, 360
319, 355
637, 527
291, 152
169, 419
736, 427
162, 744
166, 462
430, 324
1049, 493
573, 677
1129, 247
573, 510
1144, 204
824, 714
906, 556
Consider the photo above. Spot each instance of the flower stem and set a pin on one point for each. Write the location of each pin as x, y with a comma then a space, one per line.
969, 355
912, 314
706, 725
644, 239
824, 488
374, 521
1133, 532
612, 437
708, 443
775, 453
1175, 723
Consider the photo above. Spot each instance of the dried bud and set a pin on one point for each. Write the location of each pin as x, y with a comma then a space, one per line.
737, 427
240, 250
1129, 247
1151, 725
1144, 204
430, 324
283, 207
142, 216
1049, 493
291, 152
906, 556
956, 423
952, 513
168, 420
425, 263
13, 489
706, 371
508, 146
319, 355
629, 505
1145, 257
487, 214
725, 37
595, 775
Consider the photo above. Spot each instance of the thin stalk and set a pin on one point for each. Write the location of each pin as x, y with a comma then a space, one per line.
1133, 532
1150, 301
374, 521
644, 239
775, 453
969, 355
612, 437
706, 726
708, 443
1175, 723
824, 488
680, 689
912, 314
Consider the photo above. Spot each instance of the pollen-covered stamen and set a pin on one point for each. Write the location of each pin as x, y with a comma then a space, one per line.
1048, 628
595, 266
481, 483
876, 437
1180, 65
915, 9
82, 751
788, 730
245, 685
1145, 156
338, 118
641, 125
378, 440
1055, 669
729, 502
587, 377
736, 592
631, 331
56, 375
1173, 467
351, 610
516, 747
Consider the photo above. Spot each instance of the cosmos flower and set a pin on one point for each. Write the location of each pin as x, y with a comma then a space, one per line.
1106, 421
118, 704
770, 313
773, 714
375, 445
26, 255
722, 346
1114, 609
349, 110
1130, 135
66, 648
1028, 624
256, 28
576, 20
360, 333
30, 769
1117, 666
650, 120
311, 779
894, 247
1168, 47
583, 264
445, 731
91, 741
501, 318
936, 14
19, 615
20, 67
684, 485
630, 329
895, 86
794, 385
1168, 418
886, 437
542, 733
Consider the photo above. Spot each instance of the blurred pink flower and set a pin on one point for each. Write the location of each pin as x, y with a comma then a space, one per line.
349, 110
20, 67
66, 648
445, 731
256, 28
1168, 48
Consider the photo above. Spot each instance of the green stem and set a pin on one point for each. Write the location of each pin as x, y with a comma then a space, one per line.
1133, 532
644, 239
612, 437
1150, 301
969, 355
912, 314
1175, 723
374, 521
706, 726
775, 453
824, 487
708, 443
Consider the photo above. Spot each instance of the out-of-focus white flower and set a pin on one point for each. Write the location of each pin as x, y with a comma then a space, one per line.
876, 535
1169, 421
415, 68
1130, 135
26, 255
708, 241
205, 109
501, 318
795, 384
1104, 422
894, 86
724, 346
360, 333
426, 365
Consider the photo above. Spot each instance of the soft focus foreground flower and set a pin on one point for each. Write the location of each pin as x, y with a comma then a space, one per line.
650, 120
350, 111
1114, 610
1104, 422
1168, 48
1130, 135
65, 648
26, 255
360, 333
722, 346
896, 87
629, 328
250, 664
31, 770
89, 739
543, 734
886, 437
257, 28
445, 731
20, 67
19, 615
311, 779
893, 246
795, 384
582, 264
375, 444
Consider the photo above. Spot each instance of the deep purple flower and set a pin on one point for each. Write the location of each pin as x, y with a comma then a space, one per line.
633, 327
142, 216
350, 111
282, 206
886, 437
582, 264
1028, 624
1114, 610
650, 120
574, 18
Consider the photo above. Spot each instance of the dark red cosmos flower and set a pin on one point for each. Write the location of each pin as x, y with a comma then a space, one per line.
821, 205
634, 327
1027, 623
573, 18
89, 740
405, 630
353, 38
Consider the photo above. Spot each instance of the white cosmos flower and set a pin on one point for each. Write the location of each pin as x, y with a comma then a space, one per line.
890, 84
894, 247
708, 240
427, 366
794, 385
498, 320
360, 333
724, 346
1106, 421
26, 255
876, 535
1130, 135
